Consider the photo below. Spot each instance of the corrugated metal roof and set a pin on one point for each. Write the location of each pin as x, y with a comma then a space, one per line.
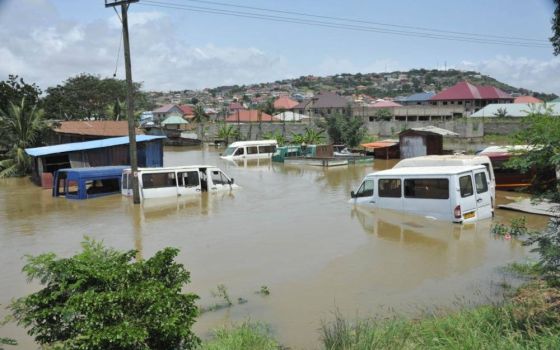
515, 110
434, 130
96, 171
107, 128
467, 91
174, 119
418, 97
527, 99
80, 146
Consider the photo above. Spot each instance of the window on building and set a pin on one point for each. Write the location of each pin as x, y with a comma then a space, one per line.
371, 119
460, 102
481, 184
157, 180
389, 188
465, 184
426, 188
445, 103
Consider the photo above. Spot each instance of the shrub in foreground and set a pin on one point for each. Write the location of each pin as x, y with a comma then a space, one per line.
104, 299
247, 336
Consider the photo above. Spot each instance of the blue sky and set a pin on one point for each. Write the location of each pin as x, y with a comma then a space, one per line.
47, 41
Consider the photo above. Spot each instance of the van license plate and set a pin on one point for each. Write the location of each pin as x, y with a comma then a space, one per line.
469, 215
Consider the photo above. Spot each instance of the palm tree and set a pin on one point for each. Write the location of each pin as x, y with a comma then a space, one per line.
200, 117
313, 136
21, 127
227, 132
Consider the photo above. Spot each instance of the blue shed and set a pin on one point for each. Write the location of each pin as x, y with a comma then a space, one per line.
84, 183
97, 153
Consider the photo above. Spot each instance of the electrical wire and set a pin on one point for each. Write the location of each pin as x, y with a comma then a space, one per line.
335, 25
354, 20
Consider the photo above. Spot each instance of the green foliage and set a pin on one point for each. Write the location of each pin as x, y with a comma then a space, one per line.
222, 293
310, 136
20, 128
102, 299
268, 106
277, 135
14, 90
517, 227
528, 268
383, 114
263, 291
87, 96
345, 130
548, 247
3, 340
247, 336
501, 113
541, 132
555, 39
518, 325
227, 132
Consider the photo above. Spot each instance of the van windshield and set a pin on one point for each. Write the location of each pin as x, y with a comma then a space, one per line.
229, 151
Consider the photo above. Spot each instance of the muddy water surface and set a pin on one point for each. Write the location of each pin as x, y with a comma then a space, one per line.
289, 228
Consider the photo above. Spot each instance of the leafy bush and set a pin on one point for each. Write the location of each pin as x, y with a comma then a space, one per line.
548, 248
102, 299
247, 336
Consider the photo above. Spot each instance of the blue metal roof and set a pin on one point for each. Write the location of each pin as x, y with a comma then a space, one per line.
421, 96
81, 146
96, 171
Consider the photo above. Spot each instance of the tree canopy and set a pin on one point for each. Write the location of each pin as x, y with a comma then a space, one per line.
103, 299
555, 39
89, 96
15, 89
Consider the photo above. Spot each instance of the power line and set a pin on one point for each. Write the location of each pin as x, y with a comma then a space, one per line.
354, 20
334, 25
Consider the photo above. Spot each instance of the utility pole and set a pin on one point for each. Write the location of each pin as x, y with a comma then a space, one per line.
124, 4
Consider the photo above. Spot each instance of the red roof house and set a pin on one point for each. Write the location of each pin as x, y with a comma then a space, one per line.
527, 99
385, 104
235, 106
284, 102
187, 110
471, 97
249, 116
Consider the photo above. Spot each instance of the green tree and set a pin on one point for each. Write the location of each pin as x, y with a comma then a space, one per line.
194, 101
102, 299
14, 89
87, 96
345, 130
20, 128
227, 132
555, 39
267, 106
501, 113
277, 135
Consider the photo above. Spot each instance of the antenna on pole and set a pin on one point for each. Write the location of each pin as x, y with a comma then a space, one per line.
124, 4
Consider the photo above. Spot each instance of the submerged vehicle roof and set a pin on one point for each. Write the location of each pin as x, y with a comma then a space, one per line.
253, 143
434, 160
95, 171
428, 170
172, 168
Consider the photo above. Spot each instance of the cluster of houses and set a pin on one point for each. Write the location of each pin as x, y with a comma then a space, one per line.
464, 99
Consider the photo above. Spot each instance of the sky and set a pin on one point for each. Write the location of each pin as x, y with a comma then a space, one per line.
48, 41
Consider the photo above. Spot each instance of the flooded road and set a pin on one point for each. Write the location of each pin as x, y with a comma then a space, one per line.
288, 228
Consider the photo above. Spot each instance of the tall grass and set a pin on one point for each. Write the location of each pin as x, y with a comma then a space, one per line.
246, 336
530, 322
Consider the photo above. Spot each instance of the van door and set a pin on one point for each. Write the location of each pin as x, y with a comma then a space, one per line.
188, 182
159, 185
467, 198
218, 181
364, 194
483, 195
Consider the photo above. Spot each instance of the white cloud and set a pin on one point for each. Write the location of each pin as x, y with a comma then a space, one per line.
537, 75
49, 49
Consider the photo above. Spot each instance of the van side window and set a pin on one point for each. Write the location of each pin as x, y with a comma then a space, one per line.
267, 149
190, 179
389, 188
218, 178
481, 184
239, 152
366, 190
157, 180
252, 150
465, 184
426, 188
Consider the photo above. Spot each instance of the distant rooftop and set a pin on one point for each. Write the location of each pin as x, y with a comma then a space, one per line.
515, 109
418, 97
107, 128
467, 91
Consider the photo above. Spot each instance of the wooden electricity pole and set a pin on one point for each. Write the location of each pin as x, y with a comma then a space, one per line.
124, 4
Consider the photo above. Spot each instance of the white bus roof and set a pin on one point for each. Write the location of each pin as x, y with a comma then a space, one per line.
173, 168
434, 160
428, 170
253, 143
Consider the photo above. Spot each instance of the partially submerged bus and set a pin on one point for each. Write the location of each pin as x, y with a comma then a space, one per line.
250, 149
453, 193
84, 183
177, 181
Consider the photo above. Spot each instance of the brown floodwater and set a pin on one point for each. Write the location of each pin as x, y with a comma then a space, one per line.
288, 228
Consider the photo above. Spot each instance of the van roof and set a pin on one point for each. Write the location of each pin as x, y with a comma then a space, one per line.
428, 170
447, 160
173, 168
253, 143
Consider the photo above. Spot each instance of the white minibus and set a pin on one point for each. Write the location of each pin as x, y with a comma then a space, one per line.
250, 149
453, 193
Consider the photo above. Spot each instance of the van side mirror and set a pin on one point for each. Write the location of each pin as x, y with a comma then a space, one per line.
352, 194
231, 181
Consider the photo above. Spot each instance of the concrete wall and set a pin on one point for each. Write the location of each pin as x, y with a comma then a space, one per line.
250, 131
464, 127
502, 126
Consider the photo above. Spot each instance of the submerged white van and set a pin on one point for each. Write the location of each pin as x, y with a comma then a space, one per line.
250, 149
453, 160
177, 181
453, 193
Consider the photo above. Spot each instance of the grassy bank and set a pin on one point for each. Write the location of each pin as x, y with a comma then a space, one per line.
246, 336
